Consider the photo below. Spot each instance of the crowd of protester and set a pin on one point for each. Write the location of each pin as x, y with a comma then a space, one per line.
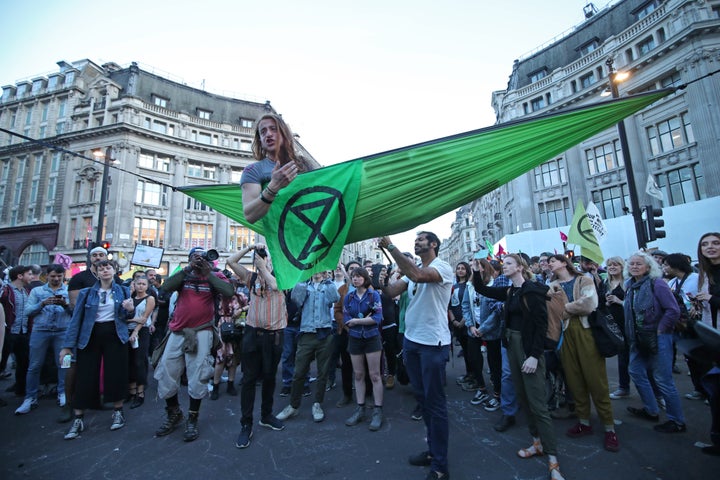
98, 338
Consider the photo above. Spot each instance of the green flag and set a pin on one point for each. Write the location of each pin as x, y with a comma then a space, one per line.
401, 189
489, 247
583, 235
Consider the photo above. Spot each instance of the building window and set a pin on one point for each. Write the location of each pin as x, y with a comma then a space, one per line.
671, 80
21, 89
204, 114
34, 254
588, 47
149, 231
160, 101
612, 202
240, 237
587, 80
205, 138
197, 205
646, 45
69, 78
604, 157
683, 185
194, 170
554, 213
59, 128
160, 127
646, 9
670, 134
245, 146
197, 235
537, 103
52, 83
44, 112
154, 162
550, 173
538, 75
245, 123
149, 193
28, 116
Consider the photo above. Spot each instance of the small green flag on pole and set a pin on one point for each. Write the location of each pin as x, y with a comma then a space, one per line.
583, 235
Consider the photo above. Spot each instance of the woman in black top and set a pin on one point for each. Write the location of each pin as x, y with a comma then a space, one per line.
526, 326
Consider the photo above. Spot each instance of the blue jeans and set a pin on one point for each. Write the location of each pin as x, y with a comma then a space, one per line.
40, 340
287, 360
425, 366
660, 366
508, 399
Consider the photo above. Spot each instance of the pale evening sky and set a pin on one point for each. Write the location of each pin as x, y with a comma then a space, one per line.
351, 78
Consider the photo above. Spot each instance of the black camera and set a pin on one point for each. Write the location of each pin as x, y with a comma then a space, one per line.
210, 255
261, 252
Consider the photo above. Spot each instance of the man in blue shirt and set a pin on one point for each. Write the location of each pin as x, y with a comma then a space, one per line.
49, 304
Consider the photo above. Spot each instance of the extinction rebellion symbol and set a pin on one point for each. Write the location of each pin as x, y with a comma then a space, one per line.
310, 222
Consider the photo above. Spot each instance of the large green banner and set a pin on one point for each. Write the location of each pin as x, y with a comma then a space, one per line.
392, 192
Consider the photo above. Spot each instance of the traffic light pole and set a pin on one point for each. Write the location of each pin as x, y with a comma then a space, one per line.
103, 197
629, 172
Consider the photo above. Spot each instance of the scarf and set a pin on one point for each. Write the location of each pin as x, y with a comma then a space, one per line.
641, 299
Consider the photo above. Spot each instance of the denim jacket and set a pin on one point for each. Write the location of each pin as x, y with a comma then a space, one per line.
316, 302
48, 317
369, 305
483, 313
83, 318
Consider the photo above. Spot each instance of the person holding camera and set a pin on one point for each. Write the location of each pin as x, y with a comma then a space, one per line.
262, 342
190, 344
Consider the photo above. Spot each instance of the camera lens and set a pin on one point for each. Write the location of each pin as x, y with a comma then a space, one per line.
211, 255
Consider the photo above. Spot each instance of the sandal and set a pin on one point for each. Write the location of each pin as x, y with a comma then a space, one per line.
554, 467
534, 450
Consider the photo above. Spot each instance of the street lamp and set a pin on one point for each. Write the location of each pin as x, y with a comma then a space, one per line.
615, 78
107, 158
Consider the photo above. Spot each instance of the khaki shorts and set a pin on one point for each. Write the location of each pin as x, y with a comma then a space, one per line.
199, 366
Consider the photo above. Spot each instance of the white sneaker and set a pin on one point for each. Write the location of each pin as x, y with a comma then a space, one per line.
27, 405
288, 412
61, 400
317, 412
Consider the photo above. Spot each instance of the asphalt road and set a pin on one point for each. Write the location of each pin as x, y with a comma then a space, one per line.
32, 445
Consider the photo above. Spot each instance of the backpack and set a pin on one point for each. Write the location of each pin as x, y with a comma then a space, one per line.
556, 314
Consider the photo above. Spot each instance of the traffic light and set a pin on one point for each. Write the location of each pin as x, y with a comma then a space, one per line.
105, 245
654, 223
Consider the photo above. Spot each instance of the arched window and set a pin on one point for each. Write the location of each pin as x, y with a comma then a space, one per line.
35, 254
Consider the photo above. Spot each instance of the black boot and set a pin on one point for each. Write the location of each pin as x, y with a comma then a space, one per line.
215, 392
191, 427
231, 389
172, 420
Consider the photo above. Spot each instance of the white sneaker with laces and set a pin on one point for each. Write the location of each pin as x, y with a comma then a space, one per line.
317, 412
288, 412
27, 405
118, 420
77, 427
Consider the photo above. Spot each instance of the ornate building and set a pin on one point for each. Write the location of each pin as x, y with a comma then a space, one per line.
159, 134
673, 142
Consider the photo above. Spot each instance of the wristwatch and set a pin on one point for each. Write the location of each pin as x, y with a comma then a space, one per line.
391, 247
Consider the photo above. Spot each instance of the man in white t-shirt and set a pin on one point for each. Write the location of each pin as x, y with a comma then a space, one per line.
427, 341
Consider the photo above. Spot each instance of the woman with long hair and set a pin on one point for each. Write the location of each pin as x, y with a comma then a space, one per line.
651, 313
583, 365
278, 165
362, 312
526, 323
483, 320
708, 297
471, 381
139, 328
614, 290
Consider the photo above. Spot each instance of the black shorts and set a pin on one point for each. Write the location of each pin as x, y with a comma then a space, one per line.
361, 346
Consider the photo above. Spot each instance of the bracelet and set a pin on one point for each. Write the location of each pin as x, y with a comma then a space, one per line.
271, 191
262, 197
